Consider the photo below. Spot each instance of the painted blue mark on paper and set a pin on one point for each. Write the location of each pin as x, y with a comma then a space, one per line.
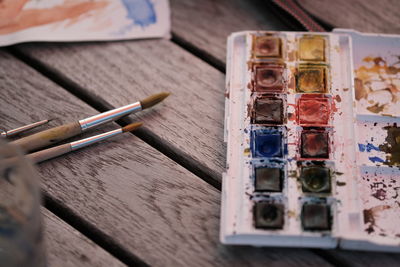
141, 12
376, 159
368, 147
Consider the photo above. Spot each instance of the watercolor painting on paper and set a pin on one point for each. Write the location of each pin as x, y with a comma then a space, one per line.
82, 20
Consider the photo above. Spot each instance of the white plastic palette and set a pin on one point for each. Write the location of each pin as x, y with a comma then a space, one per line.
309, 163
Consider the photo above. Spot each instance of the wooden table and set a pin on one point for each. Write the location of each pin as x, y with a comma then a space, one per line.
152, 197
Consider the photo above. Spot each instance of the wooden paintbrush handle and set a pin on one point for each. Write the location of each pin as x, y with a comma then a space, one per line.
48, 137
49, 153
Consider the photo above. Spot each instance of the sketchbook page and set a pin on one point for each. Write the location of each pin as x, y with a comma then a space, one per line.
82, 20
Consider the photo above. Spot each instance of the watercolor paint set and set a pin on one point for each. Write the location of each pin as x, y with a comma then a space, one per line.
312, 126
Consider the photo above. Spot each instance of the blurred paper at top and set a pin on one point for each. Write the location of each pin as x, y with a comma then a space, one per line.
82, 20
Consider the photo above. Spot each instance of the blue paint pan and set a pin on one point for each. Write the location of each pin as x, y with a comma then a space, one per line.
267, 142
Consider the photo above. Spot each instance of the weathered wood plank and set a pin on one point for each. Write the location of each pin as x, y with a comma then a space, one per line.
147, 203
194, 20
67, 247
191, 125
117, 66
189, 121
365, 16
207, 24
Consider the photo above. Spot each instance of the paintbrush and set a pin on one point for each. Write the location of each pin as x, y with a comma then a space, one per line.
57, 134
22, 129
66, 148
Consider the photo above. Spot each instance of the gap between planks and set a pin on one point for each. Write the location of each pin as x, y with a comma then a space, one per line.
147, 136
91, 232
290, 22
180, 157
198, 52
217, 64
65, 246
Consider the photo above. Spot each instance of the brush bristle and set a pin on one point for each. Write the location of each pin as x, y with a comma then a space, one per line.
154, 99
131, 127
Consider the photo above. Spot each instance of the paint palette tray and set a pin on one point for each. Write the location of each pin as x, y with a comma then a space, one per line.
312, 140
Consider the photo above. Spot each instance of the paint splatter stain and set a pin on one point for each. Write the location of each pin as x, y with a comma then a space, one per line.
291, 214
226, 94
380, 194
392, 145
368, 147
338, 183
291, 116
376, 159
376, 108
369, 217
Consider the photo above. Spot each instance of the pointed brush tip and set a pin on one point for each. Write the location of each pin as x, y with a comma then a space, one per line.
153, 99
131, 127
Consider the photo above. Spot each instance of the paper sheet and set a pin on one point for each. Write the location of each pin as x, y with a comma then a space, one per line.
82, 20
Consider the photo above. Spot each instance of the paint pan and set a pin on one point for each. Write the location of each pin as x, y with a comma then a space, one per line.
268, 142
268, 78
312, 48
267, 47
315, 216
312, 127
268, 215
314, 143
268, 175
311, 78
313, 110
315, 179
268, 109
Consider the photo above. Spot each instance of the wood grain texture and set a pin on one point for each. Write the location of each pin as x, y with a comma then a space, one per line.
147, 203
127, 70
362, 15
67, 247
190, 120
121, 72
207, 24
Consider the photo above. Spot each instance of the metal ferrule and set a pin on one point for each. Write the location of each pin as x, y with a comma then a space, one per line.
94, 139
110, 115
23, 128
